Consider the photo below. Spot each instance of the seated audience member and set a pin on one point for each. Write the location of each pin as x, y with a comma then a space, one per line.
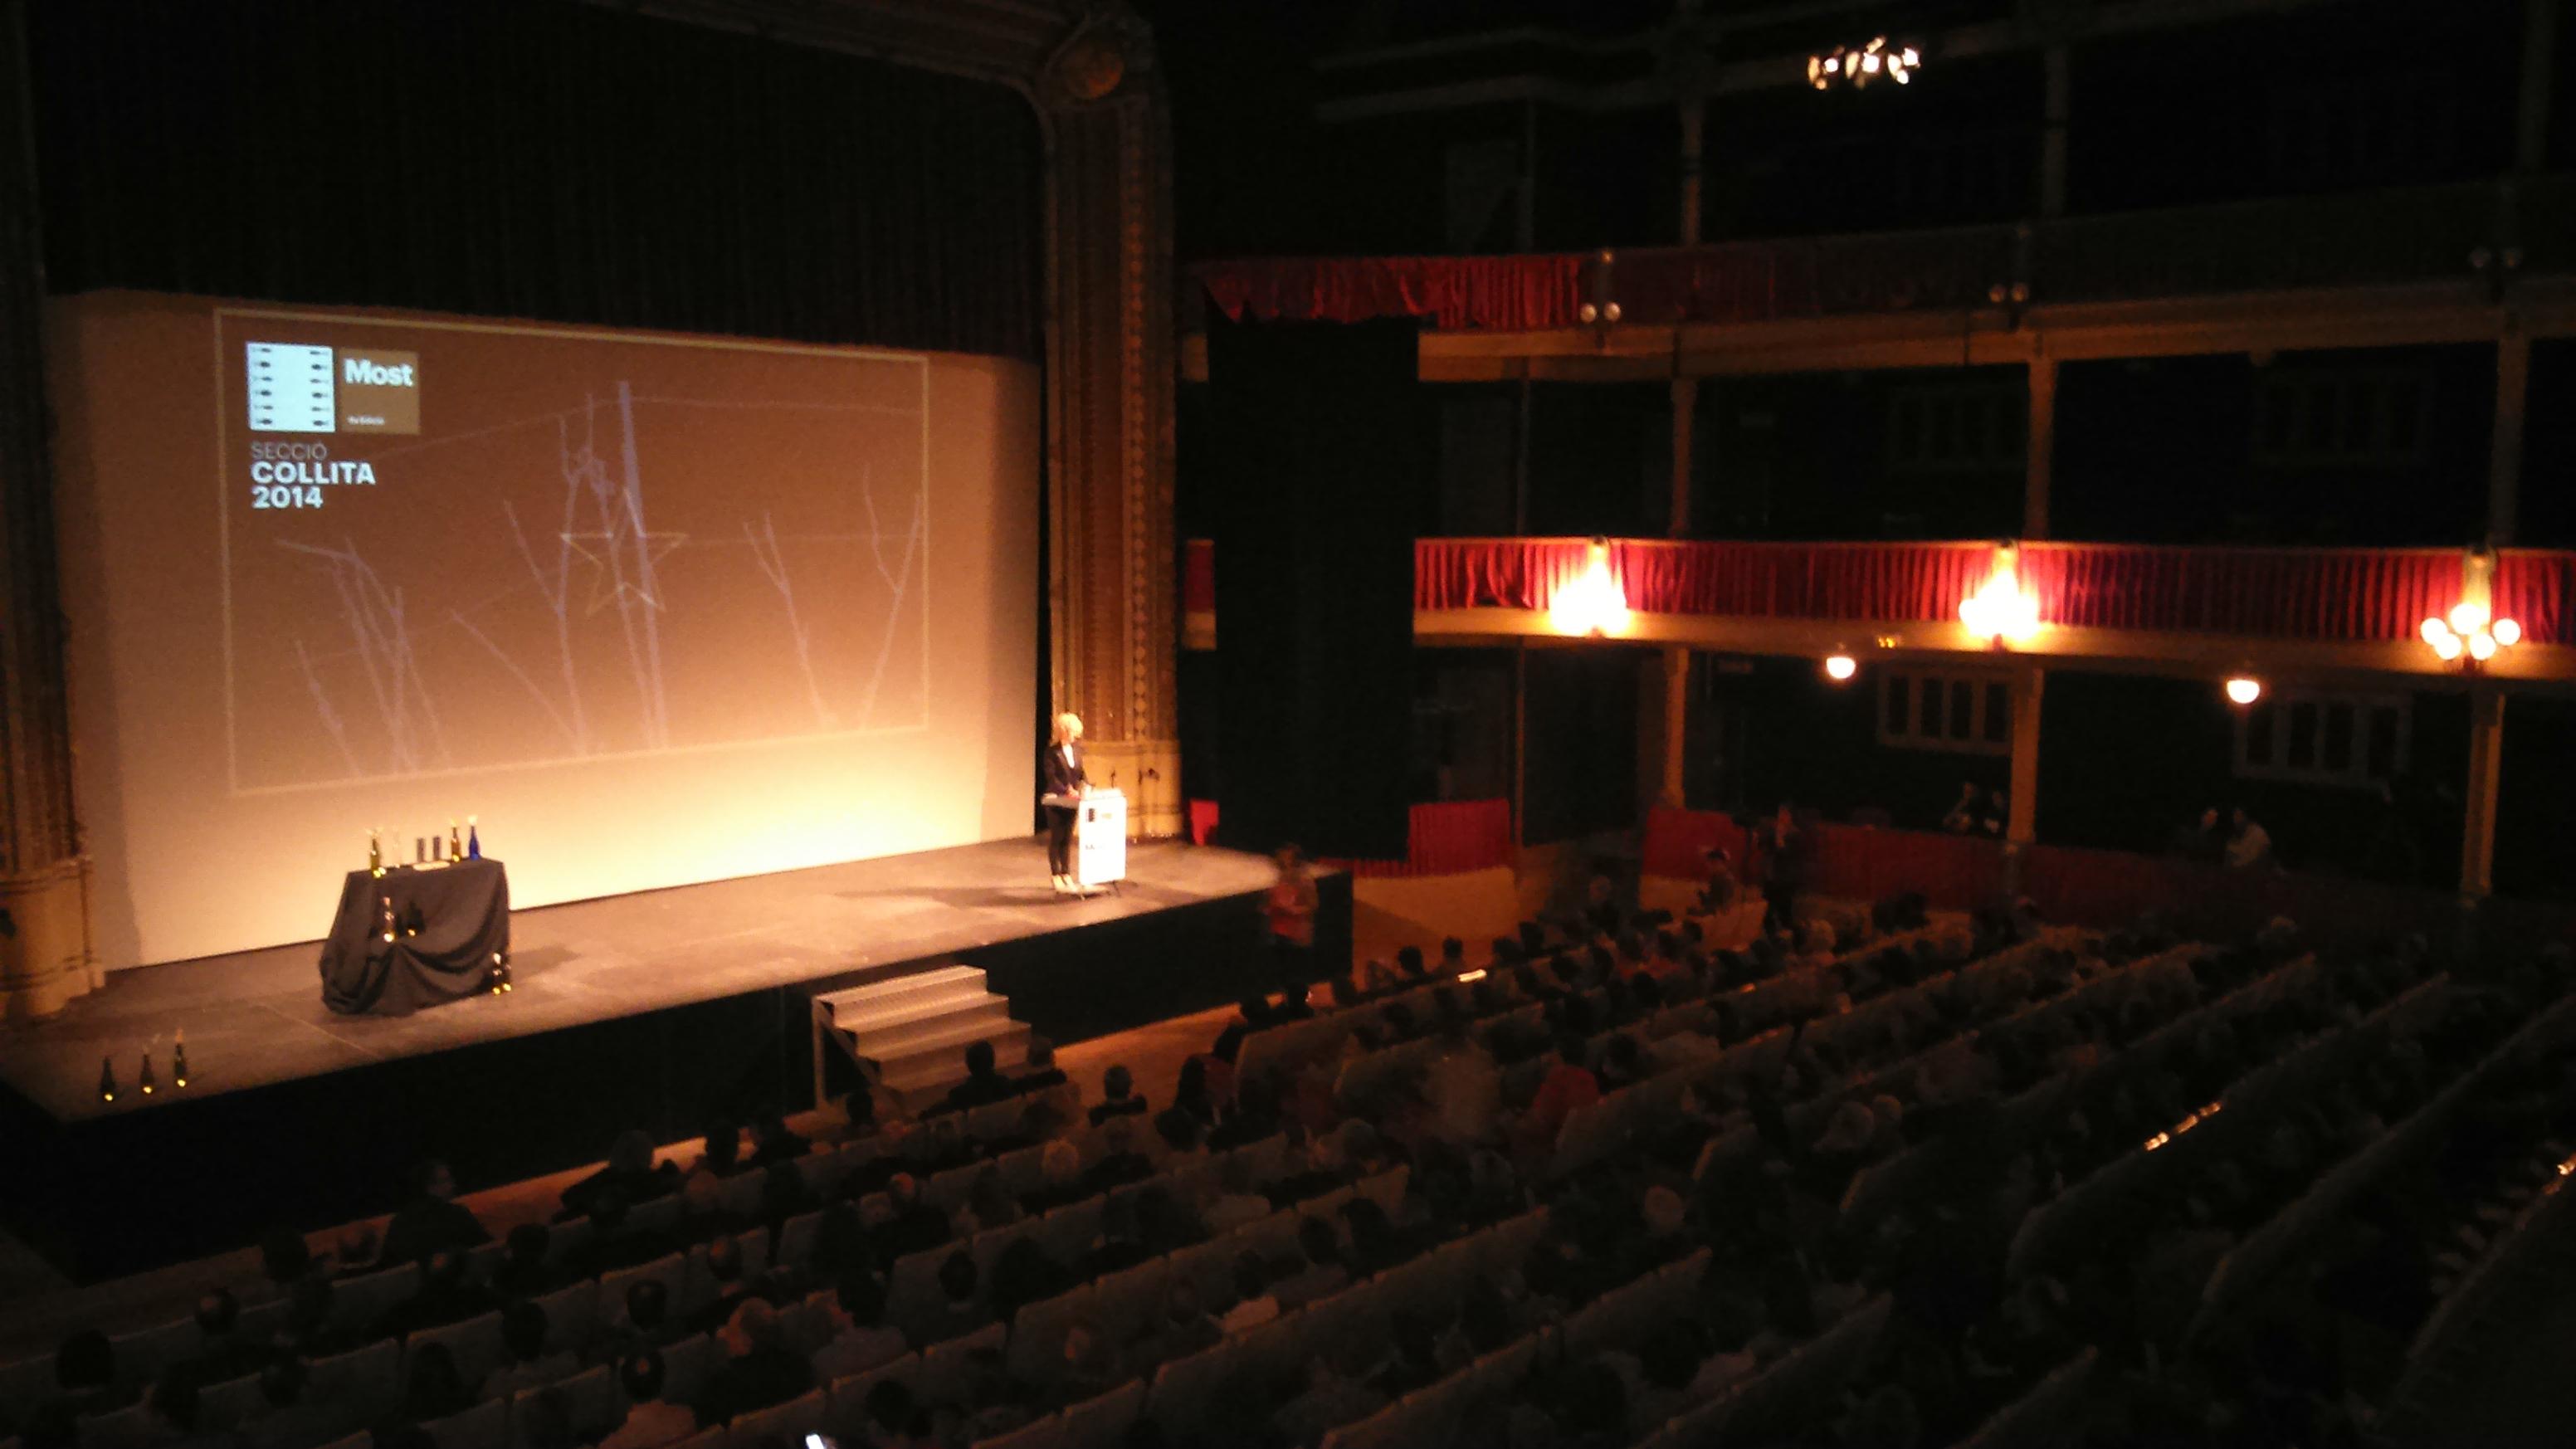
432, 1388
1117, 1096
860, 1338
223, 1352
1059, 1179
525, 1364
890, 1418
2249, 845
961, 1304
1253, 1303
284, 1261
630, 1173
1410, 967
1377, 978
1320, 1271
85, 1375
647, 1323
650, 1421
1182, 1135
1453, 956
724, 1266
914, 1226
723, 1155
989, 1202
762, 1371
1719, 889
1290, 1005
617, 1240
1967, 814
432, 1220
286, 1418
1236, 1203
1121, 1245
1090, 1365
703, 1213
310, 1332
783, 1195
983, 1082
447, 1294
1023, 1274
1568, 1087
1040, 1074
526, 1268
1121, 1163
773, 1142
356, 1253
177, 1418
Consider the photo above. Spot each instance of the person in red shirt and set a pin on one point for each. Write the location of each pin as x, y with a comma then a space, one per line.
1289, 912
1569, 1087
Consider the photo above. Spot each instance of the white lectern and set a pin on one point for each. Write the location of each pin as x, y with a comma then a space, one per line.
1100, 839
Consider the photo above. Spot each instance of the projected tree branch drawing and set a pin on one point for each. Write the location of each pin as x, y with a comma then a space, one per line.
580, 563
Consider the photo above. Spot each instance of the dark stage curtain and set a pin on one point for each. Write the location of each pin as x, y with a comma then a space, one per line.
1315, 438
537, 159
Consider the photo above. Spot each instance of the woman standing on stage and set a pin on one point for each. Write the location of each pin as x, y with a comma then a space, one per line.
1064, 784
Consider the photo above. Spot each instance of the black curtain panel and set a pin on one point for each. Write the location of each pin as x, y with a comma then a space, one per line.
535, 159
1316, 443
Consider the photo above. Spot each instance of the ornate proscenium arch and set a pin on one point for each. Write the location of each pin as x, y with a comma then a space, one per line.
1088, 69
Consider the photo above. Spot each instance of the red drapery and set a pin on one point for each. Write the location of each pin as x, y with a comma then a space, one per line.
1677, 842
2322, 594
1954, 872
2537, 591
1450, 837
1513, 294
2287, 593
1198, 577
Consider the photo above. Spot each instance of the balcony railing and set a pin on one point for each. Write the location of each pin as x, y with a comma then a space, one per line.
2319, 595
2422, 234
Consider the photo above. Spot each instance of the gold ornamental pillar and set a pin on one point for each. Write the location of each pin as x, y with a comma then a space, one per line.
45, 948
1113, 571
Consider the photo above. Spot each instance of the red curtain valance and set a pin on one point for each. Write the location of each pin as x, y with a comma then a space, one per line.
2537, 591
1512, 294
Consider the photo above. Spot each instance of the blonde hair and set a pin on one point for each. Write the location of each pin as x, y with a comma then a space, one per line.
1067, 725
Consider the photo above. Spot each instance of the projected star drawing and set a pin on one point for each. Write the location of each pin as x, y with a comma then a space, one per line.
630, 566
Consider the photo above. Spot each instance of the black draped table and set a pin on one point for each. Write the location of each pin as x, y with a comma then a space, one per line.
461, 914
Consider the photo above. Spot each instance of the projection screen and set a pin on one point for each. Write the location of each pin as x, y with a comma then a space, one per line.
652, 609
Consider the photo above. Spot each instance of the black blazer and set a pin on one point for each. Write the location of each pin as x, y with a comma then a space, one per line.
1059, 778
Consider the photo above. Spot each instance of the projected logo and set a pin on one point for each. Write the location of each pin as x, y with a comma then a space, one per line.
299, 388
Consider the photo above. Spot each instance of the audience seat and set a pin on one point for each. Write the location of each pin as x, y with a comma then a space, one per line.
786, 1423
476, 1344
485, 1426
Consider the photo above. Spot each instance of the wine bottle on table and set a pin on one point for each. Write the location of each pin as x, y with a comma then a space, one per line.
179, 1058
455, 841
145, 1081
375, 854
473, 840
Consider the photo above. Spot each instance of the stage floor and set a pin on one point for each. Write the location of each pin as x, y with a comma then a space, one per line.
256, 1017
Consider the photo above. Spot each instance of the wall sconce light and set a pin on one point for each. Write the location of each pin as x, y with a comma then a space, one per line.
1591, 604
1999, 612
2244, 689
1840, 667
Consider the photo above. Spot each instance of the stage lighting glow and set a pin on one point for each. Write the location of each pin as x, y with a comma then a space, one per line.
1840, 667
2507, 632
2243, 690
2468, 629
2482, 646
2448, 646
2468, 618
2433, 631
